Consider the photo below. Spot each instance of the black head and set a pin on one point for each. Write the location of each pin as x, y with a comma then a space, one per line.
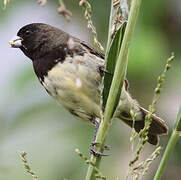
36, 39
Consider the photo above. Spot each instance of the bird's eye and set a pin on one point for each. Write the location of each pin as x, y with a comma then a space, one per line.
28, 32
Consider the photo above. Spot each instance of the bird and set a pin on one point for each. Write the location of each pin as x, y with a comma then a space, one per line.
71, 71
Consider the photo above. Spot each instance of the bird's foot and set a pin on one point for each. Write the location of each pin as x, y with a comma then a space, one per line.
96, 153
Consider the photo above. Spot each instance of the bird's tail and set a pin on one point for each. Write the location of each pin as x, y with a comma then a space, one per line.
157, 127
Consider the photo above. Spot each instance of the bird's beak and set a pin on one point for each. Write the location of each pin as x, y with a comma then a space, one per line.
16, 42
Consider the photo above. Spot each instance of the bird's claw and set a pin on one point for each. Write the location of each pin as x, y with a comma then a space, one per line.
96, 153
107, 147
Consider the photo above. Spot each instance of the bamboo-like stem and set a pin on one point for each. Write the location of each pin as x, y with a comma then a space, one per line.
118, 78
170, 146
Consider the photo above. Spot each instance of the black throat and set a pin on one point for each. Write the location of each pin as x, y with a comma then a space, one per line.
47, 61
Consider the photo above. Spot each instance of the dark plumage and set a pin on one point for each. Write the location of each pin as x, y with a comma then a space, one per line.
49, 44
71, 71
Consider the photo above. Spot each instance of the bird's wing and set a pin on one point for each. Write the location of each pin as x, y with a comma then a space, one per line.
91, 49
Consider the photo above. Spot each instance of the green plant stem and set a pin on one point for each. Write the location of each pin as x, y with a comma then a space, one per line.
110, 26
170, 146
118, 78
169, 149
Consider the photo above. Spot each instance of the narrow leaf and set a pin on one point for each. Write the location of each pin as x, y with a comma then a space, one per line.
111, 62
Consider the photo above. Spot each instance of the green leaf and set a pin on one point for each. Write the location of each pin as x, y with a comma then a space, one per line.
111, 62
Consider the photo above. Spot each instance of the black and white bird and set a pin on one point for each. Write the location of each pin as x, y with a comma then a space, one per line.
71, 72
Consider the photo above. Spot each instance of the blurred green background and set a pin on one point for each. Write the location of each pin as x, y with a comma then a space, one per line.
30, 120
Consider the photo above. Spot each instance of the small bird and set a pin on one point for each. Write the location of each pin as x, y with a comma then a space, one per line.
71, 71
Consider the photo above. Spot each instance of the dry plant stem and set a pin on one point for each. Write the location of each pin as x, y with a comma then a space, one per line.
63, 11
170, 146
88, 15
146, 164
144, 132
26, 165
133, 133
141, 169
118, 77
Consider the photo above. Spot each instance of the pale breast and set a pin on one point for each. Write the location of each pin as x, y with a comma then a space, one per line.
76, 85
